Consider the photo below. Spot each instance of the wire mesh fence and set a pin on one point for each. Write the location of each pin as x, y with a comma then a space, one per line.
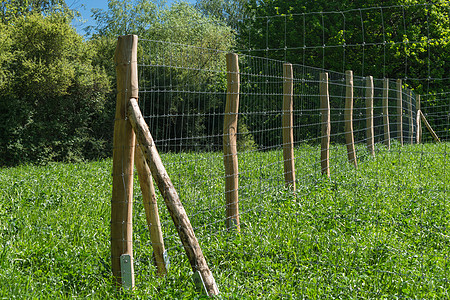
436, 108
376, 230
298, 181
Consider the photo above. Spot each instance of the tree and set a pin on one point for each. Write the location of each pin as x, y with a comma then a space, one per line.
124, 17
53, 97
187, 43
402, 39
10, 9
232, 12
187, 50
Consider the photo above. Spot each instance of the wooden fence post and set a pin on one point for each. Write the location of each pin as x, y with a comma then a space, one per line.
418, 123
369, 116
229, 143
411, 120
430, 129
387, 133
326, 124
288, 126
123, 160
348, 116
172, 200
151, 211
400, 111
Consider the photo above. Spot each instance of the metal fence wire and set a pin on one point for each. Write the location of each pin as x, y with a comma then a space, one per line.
333, 234
370, 223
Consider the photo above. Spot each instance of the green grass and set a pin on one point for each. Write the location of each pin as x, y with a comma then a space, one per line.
381, 231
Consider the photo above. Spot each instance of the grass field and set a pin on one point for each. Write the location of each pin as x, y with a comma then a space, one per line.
381, 231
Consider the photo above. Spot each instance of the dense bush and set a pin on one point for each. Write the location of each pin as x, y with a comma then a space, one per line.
52, 95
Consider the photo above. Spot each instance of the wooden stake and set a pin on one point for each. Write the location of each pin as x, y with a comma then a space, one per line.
348, 116
288, 126
326, 124
229, 143
171, 198
151, 211
123, 156
387, 133
411, 119
369, 115
418, 123
400, 111
436, 138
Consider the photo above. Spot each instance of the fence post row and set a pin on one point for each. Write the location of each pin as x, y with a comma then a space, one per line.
348, 116
369, 116
123, 161
288, 126
128, 121
229, 142
326, 124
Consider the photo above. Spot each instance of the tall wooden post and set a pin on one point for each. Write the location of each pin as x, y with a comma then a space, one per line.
418, 123
387, 133
175, 207
229, 142
151, 211
326, 124
400, 111
123, 160
348, 116
288, 126
369, 116
411, 120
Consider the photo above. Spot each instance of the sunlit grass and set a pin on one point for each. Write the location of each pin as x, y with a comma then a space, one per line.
381, 231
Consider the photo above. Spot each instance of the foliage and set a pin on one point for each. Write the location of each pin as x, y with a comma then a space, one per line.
245, 140
124, 17
377, 232
182, 23
185, 51
10, 9
5, 55
230, 11
51, 81
404, 39
54, 97
193, 42
56, 89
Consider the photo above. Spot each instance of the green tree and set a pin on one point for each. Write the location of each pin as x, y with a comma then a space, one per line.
400, 40
124, 17
187, 50
54, 96
190, 46
232, 12
10, 9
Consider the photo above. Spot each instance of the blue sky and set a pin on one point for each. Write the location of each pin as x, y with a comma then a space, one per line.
85, 6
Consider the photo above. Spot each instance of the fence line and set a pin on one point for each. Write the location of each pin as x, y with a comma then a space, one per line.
267, 110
